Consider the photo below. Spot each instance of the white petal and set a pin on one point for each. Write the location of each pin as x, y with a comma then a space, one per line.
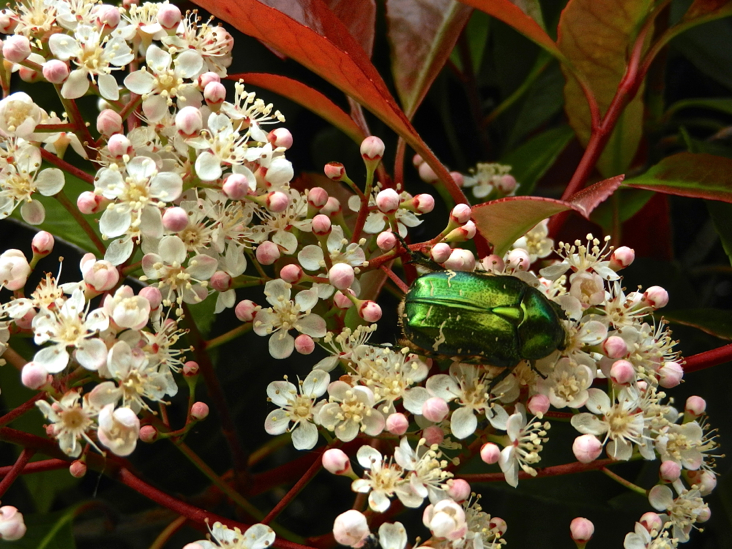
115, 222
119, 251
108, 87
76, 85
281, 345
50, 181
305, 436
33, 212
463, 423
312, 325
53, 359
92, 354
140, 82
276, 422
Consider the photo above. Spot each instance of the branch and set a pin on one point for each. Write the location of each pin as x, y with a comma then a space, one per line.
708, 359
15, 470
554, 471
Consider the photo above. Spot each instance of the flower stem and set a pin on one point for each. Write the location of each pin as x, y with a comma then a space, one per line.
228, 336
620, 480
14, 414
65, 166
83, 223
168, 532
294, 491
16, 470
707, 359
554, 471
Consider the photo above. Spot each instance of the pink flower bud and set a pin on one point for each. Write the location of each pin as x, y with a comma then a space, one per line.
77, 468
341, 276
423, 203
426, 173
705, 480
498, 525
460, 260
16, 48
656, 297
586, 448
397, 424
280, 137
221, 281
206, 78
109, 122
12, 526
435, 409
321, 225
291, 273
14, 269
246, 310
148, 433
119, 145
460, 214
335, 171
341, 301
190, 368
458, 489
651, 521
336, 461
169, 16
506, 184
538, 405
153, 295
490, 453
615, 347
31, 75
372, 148
55, 71
351, 528
42, 243
433, 435
317, 197
493, 263
89, 203
704, 515
519, 259
621, 258
332, 207
670, 374
101, 275
440, 252
33, 376
370, 311
236, 186
669, 471
199, 410
388, 201
267, 252
462, 234
304, 344
188, 120
107, 17
277, 201
581, 529
417, 161
214, 93
386, 241
622, 372
175, 219
695, 406
458, 178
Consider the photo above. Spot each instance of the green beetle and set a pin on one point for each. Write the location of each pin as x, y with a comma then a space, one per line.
494, 319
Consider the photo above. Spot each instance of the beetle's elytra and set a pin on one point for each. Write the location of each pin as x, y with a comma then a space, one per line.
499, 320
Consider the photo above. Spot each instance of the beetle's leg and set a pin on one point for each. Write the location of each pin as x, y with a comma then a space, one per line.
532, 363
416, 257
500, 377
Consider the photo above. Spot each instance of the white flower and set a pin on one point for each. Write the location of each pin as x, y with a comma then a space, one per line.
383, 480
19, 115
343, 345
14, 270
118, 429
12, 526
581, 257
392, 536
282, 224
312, 259
427, 476
536, 241
446, 520
126, 309
484, 178
212, 42
219, 144
684, 444
70, 421
377, 221
350, 411
567, 384
641, 538
258, 536
683, 511
526, 441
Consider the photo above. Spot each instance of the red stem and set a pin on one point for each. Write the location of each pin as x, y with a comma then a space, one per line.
395, 279
65, 166
83, 223
15, 470
20, 410
294, 491
708, 359
37, 467
554, 471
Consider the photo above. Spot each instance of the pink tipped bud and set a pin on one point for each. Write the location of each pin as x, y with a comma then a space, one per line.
153, 295
656, 297
586, 448
458, 178
493, 263
518, 259
490, 453
581, 529
12, 525
388, 201
460, 260
372, 148
31, 75
190, 368
417, 161
460, 214
386, 241
695, 406
704, 515
669, 471
615, 347
321, 225
538, 405
622, 372
119, 145
462, 234
291, 273
199, 410
440, 252
397, 424
651, 521
341, 276
426, 173
246, 310
370, 311
671, 374
317, 197
435, 409
304, 344
237, 186
350, 528
433, 435
341, 301
175, 219
42, 243
107, 17
214, 93
506, 184
332, 207
705, 480
109, 122
14, 269
55, 71
77, 469
33, 376
101, 276
148, 433
188, 120
277, 201
336, 461
221, 281
89, 203
335, 171
498, 525
621, 258
459, 489
16, 48
423, 203
206, 78
267, 252
280, 137
169, 16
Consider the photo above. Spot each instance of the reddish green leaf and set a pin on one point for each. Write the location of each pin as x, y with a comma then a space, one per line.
716, 322
707, 10
532, 8
688, 174
422, 35
595, 35
360, 18
316, 38
589, 198
307, 97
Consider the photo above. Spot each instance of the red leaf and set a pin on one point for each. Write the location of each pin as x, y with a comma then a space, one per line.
708, 9
323, 44
591, 197
307, 97
360, 18
422, 35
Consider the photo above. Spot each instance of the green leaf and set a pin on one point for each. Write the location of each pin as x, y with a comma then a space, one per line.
721, 213
709, 48
717, 322
532, 159
688, 174
203, 314
718, 104
631, 202
46, 531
